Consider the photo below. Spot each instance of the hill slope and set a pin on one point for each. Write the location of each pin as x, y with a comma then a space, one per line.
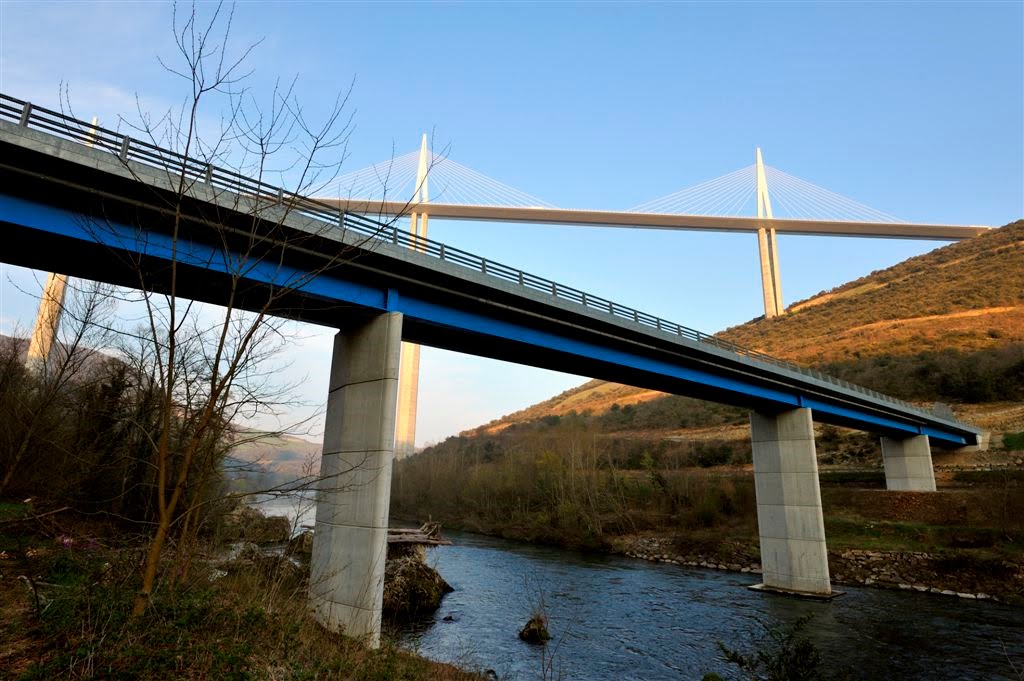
948, 325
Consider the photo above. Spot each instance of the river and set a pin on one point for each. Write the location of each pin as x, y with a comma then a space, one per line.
620, 618
613, 617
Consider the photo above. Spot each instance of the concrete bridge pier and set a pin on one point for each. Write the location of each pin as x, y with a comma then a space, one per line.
908, 464
789, 518
346, 587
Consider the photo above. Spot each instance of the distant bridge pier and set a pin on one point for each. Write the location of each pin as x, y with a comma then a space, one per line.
409, 379
790, 524
346, 584
44, 333
767, 247
908, 464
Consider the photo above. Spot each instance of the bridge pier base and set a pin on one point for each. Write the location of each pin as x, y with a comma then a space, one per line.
908, 464
789, 518
346, 586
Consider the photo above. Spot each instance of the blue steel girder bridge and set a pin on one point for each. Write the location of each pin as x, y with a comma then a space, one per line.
99, 205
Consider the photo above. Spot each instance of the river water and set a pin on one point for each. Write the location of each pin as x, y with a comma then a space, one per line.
615, 618
620, 618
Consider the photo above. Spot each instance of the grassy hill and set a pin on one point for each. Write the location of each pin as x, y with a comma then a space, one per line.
947, 325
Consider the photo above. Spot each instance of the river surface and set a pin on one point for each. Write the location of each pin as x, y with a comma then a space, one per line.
621, 618
613, 617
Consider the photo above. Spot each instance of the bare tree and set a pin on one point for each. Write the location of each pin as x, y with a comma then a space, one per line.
210, 368
208, 173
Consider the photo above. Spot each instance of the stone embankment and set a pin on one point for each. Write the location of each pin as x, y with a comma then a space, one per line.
956, 575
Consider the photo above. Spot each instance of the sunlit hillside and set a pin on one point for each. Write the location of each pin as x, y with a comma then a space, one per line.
947, 325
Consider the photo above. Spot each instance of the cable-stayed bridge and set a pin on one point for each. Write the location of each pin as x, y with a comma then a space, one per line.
758, 199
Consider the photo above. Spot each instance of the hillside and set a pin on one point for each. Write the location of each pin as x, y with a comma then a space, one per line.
263, 461
966, 296
278, 453
947, 325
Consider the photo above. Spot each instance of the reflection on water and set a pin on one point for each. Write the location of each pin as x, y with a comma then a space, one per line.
619, 618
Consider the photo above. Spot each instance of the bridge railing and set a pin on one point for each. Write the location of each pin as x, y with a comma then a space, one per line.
131, 149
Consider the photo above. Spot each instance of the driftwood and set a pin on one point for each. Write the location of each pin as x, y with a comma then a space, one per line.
429, 534
414, 536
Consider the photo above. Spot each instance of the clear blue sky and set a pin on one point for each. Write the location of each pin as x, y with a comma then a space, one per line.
914, 109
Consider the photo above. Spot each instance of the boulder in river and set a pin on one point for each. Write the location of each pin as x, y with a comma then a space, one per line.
411, 586
536, 630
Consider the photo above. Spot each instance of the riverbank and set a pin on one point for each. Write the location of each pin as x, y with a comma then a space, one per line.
66, 589
948, 544
959, 575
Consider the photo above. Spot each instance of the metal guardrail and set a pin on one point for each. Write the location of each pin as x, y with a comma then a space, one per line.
127, 149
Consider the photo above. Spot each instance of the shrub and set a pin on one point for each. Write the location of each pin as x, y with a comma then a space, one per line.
1013, 441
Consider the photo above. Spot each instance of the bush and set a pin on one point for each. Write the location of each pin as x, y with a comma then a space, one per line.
1013, 441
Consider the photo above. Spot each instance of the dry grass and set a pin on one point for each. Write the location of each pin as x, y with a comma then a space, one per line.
210, 626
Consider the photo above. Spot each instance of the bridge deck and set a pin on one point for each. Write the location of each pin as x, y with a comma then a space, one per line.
87, 212
709, 223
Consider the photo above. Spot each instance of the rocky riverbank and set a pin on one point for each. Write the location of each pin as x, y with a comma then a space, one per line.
411, 586
958, 574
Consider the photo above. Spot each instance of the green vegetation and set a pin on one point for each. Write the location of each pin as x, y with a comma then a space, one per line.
1014, 441
566, 482
94, 423
563, 483
862, 479
997, 476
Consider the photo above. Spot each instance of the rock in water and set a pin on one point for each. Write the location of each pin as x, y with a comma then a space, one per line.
411, 587
536, 630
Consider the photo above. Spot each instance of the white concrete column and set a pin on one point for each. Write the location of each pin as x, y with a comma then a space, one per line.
789, 518
346, 587
908, 464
